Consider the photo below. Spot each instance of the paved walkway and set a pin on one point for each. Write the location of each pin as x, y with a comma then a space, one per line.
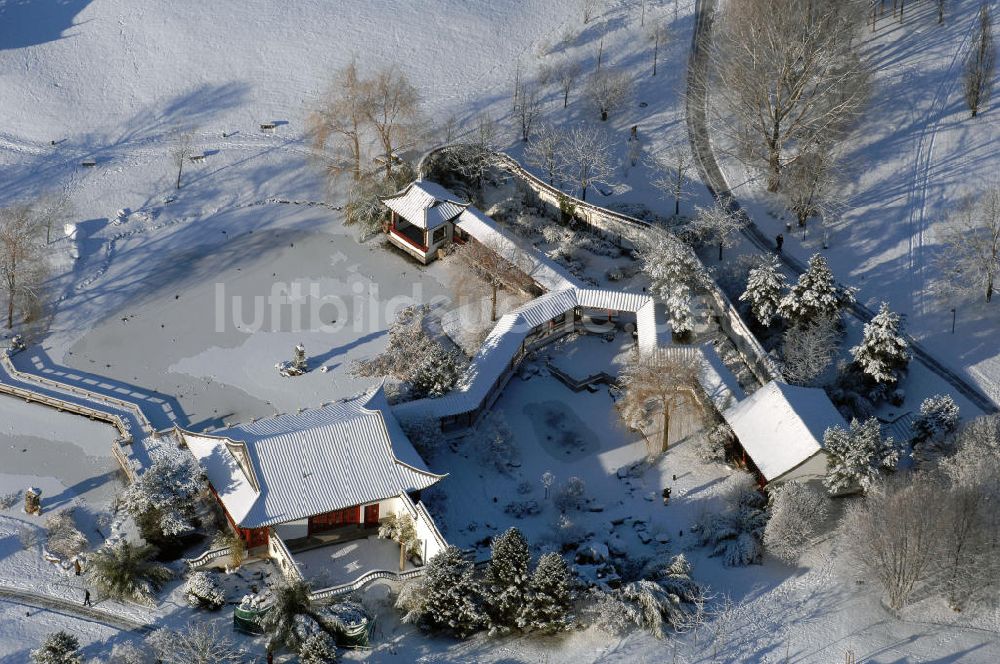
715, 180
74, 610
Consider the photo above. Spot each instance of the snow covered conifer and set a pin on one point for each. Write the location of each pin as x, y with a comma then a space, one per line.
938, 417
58, 648
765, 287
934, 427
883, 352
318, 649
162, 499
506, 581
815, 295
858, 456
549, 600
436, 372
451, 595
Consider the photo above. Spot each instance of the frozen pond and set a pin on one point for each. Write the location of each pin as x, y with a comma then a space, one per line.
207, 327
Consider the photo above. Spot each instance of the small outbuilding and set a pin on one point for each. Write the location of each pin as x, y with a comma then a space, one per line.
422, 219
779, 429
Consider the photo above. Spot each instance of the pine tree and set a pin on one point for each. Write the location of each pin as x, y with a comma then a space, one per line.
318, 649
815, 295
883, 353
451, 595
506, 580
765, 287
58, 648
857, 457
549, 598
939, 417
435, 372
162, 500
685, 595
934, 428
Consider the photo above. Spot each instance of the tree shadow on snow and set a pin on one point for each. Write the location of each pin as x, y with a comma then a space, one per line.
26, 23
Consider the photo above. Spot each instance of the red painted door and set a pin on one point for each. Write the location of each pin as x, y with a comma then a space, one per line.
336, 519
371, 516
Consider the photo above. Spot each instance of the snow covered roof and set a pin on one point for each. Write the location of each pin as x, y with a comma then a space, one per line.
781, 426
543, 271
425, 204
293, 466
504, 341
564, 293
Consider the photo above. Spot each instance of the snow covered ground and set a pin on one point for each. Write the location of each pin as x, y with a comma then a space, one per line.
113, 80
915, 155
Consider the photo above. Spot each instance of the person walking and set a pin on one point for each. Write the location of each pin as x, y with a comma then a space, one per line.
86, 598
778, 241
666, 495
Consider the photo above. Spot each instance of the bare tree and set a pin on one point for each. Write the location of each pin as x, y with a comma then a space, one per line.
343, 115
718, 224
23, 261
894, 535
657, 34
198, 643
665, 380
588, 8
542, 151
812, 184
566, 73
392, 106
51, 210
970, 568
527, 107
181, 150
971, 256
790, 74
808, 350
496, 263
474, 157
586, 157
673, 171
608, 90
980, 63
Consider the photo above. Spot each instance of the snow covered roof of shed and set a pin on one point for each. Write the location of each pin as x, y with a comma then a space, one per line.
294, 466
781, 426
425, 204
